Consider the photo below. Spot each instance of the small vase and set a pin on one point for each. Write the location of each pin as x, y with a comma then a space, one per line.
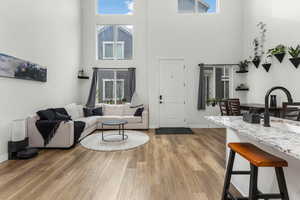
295, 61
273, 101
267, 67
279, 56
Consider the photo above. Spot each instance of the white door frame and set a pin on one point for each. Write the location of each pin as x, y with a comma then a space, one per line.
159, 59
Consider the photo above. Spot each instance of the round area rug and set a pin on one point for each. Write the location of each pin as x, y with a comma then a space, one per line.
94, 141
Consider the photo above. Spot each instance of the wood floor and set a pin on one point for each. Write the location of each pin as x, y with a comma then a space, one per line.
169, 167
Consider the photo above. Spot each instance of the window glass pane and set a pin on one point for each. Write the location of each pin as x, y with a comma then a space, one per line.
186, 6
125, 34
120, 89
121, 39
123, 7
209, 6
124, 76
108, 50
109, 88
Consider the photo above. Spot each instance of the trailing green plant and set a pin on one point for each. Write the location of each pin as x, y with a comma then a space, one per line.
294, 52
279, 49
258, 42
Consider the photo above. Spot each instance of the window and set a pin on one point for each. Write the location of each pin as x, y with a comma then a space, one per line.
197, 6
115, 42
113, 90
113, 86
218, 83
108, 50
113, 7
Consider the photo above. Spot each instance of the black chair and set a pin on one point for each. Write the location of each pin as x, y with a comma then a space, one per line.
234, 107
291, 111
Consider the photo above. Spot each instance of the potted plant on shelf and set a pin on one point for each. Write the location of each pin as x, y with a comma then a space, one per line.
243, 66
279, 52
295, 52
213, 102
268, 62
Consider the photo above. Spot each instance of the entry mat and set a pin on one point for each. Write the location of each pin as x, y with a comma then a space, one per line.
170, 131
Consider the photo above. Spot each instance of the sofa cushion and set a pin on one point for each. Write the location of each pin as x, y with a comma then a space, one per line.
128, 111
139, 112
87, 112
132, 119
113, 110
80, 111
89, 121
72, 111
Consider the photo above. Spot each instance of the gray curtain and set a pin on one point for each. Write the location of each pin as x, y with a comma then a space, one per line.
91, 103
132, 81
201, 92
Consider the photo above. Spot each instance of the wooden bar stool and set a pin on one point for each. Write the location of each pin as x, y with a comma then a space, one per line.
257, 158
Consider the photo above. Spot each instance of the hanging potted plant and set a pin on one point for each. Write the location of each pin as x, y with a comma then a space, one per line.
268, 62
279, 52
256, 59
243, 66
295, 52
259, 44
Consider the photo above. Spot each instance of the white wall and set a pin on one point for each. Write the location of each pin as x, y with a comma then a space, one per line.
46, 32
207, 38
283, 27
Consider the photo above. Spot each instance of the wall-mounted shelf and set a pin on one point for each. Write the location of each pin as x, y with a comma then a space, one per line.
242, 72
83, 77
242, 89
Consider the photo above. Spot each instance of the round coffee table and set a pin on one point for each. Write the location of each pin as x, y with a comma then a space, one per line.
120, 124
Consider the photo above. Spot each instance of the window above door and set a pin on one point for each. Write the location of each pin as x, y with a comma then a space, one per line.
197, 6
115, 7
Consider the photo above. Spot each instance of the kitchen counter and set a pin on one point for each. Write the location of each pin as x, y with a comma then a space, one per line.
283, 135
281, 139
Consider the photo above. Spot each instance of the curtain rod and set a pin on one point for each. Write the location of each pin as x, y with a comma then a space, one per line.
114, 68
216, 65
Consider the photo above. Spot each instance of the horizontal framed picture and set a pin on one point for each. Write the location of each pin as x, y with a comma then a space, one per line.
13, 67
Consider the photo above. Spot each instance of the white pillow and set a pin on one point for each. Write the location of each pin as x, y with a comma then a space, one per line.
72, 111
80, 111
128, 111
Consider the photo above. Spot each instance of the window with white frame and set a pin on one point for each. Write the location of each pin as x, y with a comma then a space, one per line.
115, 42
113, 86
110, 53
197, 6
218, 82
113, 89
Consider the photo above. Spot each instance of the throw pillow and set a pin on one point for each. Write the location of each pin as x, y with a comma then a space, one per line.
139, 112
98, 111
62, 117
48, 114
88, 112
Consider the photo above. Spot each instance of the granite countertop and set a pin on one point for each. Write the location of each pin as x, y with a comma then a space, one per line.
283, 135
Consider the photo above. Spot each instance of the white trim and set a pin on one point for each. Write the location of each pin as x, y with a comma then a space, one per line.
3, 157
114, 44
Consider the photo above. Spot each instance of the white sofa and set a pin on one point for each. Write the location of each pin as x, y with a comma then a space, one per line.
64, 137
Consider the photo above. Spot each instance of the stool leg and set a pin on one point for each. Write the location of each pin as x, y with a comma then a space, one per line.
253, 183
228, 175
282, 183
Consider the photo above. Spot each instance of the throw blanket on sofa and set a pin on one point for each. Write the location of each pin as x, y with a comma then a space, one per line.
48, 128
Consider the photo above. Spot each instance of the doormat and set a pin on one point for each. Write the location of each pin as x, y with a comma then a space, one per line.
173, 131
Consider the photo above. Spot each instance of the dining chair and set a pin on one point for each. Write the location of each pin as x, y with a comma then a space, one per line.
234, 107
224, 109
291, 111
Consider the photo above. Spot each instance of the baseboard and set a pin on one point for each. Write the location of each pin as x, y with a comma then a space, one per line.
3, 157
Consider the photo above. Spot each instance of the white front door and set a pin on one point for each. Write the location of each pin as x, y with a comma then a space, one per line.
172, 93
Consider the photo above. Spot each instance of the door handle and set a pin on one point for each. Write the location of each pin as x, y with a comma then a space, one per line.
160, 99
